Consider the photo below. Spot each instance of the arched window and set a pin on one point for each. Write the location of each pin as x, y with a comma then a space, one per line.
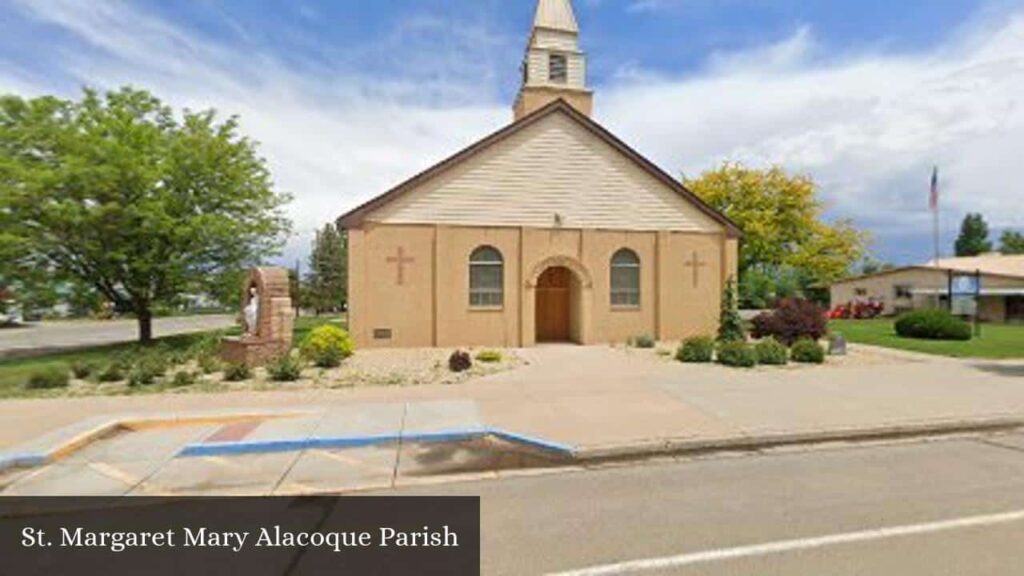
625, 278
486, 277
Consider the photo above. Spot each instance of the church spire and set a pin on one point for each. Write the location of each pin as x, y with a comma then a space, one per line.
554, 66
556, 15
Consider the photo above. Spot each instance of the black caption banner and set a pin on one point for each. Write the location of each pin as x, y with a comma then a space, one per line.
251, 536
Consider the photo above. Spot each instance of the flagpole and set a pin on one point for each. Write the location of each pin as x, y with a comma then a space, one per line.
935, 213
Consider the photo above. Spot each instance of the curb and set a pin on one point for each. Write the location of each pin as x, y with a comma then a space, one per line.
744, 443
580, 455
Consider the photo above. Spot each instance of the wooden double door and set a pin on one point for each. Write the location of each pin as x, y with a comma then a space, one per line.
554, 308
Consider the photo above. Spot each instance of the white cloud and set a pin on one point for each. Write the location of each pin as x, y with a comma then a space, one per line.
333, 138
868, 127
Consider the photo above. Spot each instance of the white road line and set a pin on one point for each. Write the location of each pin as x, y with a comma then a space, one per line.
782, 546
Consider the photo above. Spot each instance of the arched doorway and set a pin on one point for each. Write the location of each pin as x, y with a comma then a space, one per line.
555, 310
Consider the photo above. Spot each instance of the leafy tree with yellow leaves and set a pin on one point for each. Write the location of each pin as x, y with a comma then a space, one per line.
785, 233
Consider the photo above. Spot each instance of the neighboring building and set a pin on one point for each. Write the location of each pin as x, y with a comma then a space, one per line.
927, 286
551, 229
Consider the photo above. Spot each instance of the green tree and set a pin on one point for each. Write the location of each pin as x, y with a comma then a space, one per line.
730, 325
785, 233
973, 238
870, 265
119, 193
297, 290
1011, 242
327, 281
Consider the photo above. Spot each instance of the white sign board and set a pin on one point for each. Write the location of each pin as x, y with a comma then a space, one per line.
965, 285
964, 305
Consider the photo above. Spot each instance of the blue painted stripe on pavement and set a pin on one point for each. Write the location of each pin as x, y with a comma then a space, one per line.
531, 441
453, 435
321, 442
237, 448
351, 441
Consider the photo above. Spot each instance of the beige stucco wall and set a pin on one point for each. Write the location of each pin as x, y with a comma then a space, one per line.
431, 307
533, 98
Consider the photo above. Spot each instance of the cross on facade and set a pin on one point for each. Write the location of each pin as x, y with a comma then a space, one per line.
696, 264
400, 260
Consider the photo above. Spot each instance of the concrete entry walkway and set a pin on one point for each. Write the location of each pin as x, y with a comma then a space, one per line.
596, 399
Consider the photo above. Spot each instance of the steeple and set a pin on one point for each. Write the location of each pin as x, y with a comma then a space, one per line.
554, 66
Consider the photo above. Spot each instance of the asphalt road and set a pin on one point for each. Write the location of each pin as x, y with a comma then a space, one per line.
43, 337
952, 506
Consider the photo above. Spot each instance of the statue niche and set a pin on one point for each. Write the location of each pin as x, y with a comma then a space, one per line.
267, 318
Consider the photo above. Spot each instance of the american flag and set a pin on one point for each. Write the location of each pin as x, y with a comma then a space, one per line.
933, 199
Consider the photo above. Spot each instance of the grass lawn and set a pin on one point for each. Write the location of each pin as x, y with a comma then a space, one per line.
14, 373
997, 341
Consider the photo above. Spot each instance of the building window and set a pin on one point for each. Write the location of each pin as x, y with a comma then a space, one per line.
860, 292
904, 291
558, 68
625, 278
486, 278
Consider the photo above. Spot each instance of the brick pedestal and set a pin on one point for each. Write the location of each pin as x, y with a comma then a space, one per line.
273, 330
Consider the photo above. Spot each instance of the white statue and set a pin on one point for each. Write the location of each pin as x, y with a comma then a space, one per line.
252, 312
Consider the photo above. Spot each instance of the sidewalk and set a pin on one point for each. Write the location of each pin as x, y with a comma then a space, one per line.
566, 407
593, 397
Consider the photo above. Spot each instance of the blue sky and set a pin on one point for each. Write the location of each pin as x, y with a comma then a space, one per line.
351, 97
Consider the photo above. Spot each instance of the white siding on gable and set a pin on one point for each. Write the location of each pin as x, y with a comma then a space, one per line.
555, 166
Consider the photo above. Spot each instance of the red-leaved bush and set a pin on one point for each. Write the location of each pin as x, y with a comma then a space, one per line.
857, 310
791, 320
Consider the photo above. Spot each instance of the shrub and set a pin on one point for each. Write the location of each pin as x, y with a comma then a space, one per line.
326, 346
184, 378
808, 351
209, 363
699, 349
771, 352
460, 361
285, 368
489, 356
737, 354
48, 378
82, 369
237, 372
933, 324
730, 324
792, 320
147, 371
642, 341
113, 372
206, 346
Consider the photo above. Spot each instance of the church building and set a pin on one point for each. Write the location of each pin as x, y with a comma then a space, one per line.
549, 230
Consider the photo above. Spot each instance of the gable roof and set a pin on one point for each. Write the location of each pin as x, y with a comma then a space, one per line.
992, 263
930, 267
357, 216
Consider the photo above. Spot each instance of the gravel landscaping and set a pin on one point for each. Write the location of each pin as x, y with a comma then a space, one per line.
383, 367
